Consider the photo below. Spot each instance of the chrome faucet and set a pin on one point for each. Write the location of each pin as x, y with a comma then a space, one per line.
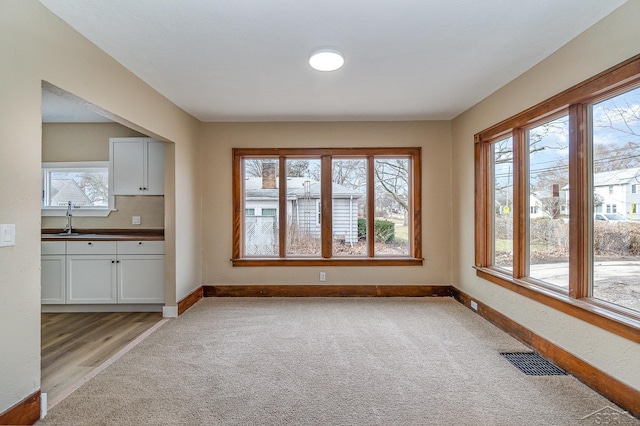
69, 215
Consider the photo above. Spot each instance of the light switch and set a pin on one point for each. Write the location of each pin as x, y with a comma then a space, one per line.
7, 235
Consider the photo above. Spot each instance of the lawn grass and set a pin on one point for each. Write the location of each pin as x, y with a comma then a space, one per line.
504, 245
401, 233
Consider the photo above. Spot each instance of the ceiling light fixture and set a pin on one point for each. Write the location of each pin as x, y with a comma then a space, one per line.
326, 60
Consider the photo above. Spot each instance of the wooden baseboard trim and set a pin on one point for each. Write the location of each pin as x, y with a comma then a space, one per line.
328, 291
190, 300
25, 412
621, 394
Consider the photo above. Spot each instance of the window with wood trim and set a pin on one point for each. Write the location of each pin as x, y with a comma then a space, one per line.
327, 206
556, 196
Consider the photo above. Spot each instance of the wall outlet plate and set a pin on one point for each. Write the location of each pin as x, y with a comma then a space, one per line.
135, 220
474, 305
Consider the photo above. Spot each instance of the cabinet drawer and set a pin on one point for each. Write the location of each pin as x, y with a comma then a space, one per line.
53, 247
91, 247
140, 247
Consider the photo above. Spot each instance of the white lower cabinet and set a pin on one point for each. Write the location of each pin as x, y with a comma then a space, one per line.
104, 272
53, 272
91, 279
91, 272
140, 278
140, 271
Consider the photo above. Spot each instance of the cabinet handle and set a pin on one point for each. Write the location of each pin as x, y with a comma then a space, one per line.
141, 188
113, 261
140, 243
117, 261
90, 243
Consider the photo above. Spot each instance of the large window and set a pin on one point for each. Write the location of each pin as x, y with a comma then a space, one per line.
83, 184
342, 206
615, 161
556, 201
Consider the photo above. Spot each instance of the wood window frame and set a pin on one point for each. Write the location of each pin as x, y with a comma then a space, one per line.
576, 302
326, 155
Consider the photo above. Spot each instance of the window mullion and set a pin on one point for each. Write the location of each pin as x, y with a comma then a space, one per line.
415, 202
282, 206
326, 208
238, 206
371, 209
520, 203
484, 219
579, 202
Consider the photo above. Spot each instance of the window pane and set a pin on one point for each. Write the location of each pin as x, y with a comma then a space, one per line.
392, 220
548, 210
616, 226
503, 204
260, 193
303, 207
83, 187
349, 177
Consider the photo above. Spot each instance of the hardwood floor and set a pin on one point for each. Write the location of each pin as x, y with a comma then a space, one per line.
74, 344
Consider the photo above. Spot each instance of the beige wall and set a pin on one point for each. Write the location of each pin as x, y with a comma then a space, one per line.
609, 42
434, 138
81, 141
35, 46
90, 142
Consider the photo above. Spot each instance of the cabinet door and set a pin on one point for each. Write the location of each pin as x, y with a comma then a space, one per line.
141, 279
154, 168
91, 279
127, 173
52, 280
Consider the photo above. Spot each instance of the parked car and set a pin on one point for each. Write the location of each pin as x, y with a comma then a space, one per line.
610, 217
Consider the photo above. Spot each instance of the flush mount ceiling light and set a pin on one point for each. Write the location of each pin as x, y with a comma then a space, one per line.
326, 60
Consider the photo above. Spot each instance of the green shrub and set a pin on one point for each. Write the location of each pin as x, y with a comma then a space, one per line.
618, 239
362, 229
383, 230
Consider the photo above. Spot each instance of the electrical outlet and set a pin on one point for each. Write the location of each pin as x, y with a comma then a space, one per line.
135, 220
323, 276
474, 305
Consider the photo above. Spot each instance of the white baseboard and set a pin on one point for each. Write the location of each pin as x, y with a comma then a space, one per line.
101, 308
43, 405
170, 312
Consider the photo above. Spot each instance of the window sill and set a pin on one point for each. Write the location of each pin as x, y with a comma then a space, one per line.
607, 316
378, 261
77, 212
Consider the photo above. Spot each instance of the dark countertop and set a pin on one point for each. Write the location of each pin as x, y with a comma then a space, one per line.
105, 235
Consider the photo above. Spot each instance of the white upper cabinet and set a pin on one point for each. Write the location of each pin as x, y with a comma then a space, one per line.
136, 166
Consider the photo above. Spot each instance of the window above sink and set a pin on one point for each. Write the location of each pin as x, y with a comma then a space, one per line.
85, 184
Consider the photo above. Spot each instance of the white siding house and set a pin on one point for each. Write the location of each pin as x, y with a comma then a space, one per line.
65, 190
536, 208
619, 191
303, 210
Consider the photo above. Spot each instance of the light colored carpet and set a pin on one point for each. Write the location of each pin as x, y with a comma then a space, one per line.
326, 361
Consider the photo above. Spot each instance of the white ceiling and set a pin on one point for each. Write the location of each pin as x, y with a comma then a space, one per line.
246, 60
58, 107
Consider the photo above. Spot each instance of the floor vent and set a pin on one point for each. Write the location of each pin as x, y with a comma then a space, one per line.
532, 364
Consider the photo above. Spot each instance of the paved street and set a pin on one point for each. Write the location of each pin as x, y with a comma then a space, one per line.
616, 281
